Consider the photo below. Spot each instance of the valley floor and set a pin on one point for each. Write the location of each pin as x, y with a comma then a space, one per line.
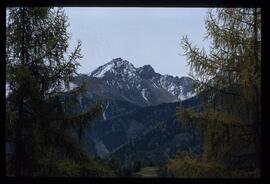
147, 172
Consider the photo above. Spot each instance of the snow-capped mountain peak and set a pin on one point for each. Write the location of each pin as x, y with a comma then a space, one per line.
119, 79
116, 66
100, 71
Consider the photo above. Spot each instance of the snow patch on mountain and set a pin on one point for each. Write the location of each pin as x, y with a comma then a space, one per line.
187, 96
171, 88
190, 94
103, 114
144, 94
154, 84
65, 87
100, 73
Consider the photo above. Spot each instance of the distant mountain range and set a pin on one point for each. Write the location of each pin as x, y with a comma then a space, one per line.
120, 80
139, 118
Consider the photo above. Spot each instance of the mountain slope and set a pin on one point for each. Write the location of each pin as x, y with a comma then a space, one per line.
159, 143
119, 131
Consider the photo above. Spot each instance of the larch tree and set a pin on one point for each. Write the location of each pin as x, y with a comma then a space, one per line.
38, 68
228, 80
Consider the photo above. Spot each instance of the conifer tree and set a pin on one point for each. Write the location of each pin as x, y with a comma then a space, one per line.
38, 121
228, 80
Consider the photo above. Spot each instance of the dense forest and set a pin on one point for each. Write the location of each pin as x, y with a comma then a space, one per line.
50, 123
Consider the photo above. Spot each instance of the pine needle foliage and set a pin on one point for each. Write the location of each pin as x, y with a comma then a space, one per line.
42, 119
228, 81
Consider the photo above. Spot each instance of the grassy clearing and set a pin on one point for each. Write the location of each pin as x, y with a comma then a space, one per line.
147, 172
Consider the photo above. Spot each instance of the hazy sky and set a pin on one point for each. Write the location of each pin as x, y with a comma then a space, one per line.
139, 35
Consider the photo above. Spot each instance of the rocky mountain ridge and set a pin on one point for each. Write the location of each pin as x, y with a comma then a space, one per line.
120, 80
